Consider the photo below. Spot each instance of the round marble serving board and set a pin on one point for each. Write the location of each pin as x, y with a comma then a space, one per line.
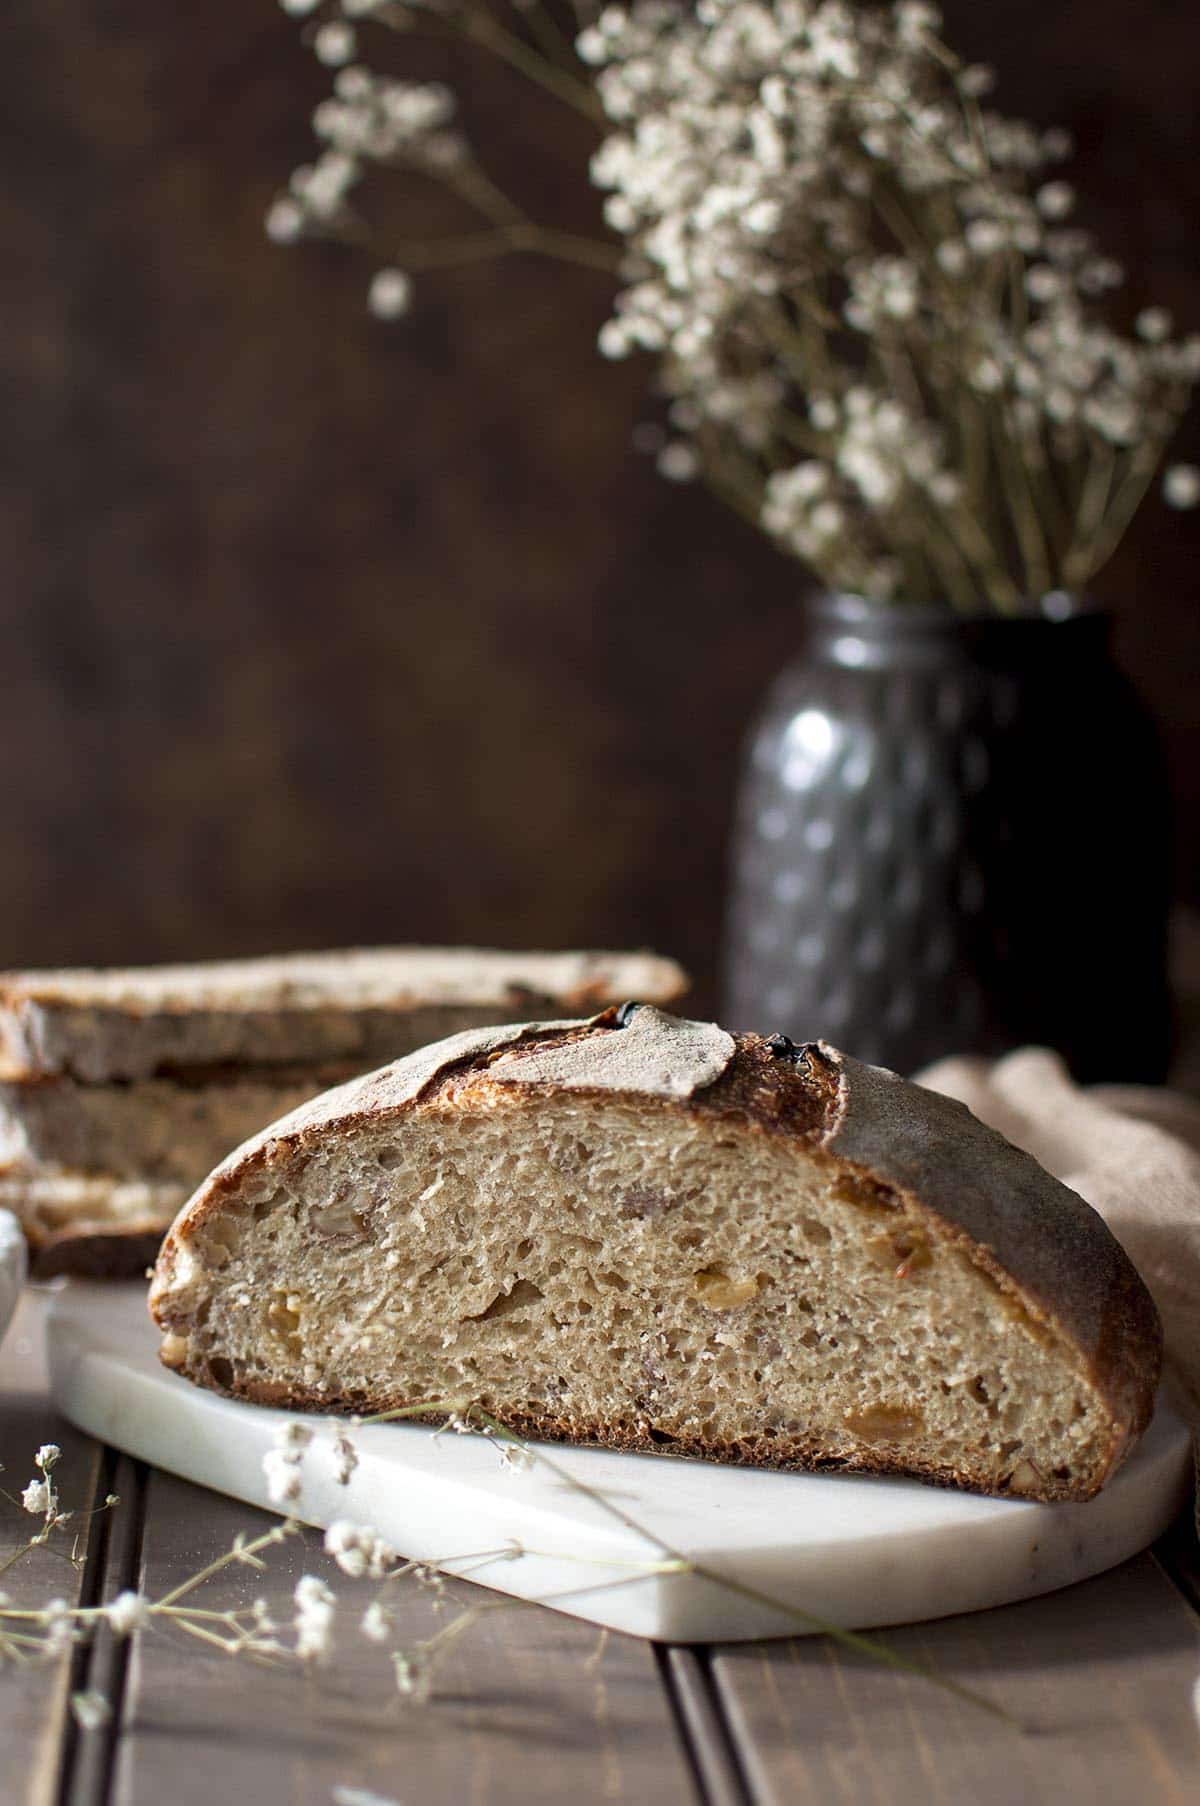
847, 1550
12, 1266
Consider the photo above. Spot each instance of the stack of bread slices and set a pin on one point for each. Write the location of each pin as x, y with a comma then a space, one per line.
120, 1090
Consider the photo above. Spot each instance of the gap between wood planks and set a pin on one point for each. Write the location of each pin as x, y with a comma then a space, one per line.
720, 1766
101, 1664
88, 1761
705, 1732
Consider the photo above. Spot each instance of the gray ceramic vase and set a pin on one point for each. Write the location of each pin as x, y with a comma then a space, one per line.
952, 836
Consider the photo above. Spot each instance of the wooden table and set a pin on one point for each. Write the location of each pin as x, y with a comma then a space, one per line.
533, 1706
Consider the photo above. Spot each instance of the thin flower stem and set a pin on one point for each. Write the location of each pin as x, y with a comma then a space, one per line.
959, 583
268, 1539
1128, 498
1090, 513
1022, 506
554, 45
848, 1638
980, 552
524, 237
481, 28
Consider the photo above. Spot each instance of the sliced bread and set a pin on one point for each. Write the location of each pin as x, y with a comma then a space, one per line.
362, 1005
158, 1130
644, 1233
88, 1224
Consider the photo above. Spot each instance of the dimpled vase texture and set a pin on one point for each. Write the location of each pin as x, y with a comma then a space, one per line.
952, 837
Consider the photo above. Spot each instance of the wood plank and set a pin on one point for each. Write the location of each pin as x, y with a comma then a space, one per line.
34, 1717
528, 1704
1099, 1676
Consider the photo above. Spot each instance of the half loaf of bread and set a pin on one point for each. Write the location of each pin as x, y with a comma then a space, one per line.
642, 1233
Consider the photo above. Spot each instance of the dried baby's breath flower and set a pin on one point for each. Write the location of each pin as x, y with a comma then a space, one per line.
91, 1710
813, 204
390, 294
282, 1465
429, 1579
376, 1622
358, 1551
1153, 324
39, 1498
128, 1612
679, 462
315, 1607
284, 221
334, 43
414, 1674
1181, 485
59, 1622
514, 1455
345, 1456
282, 1475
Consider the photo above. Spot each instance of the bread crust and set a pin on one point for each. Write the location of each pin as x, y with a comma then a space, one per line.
1046, 1251
95, 1245
631, 1437
96, 1254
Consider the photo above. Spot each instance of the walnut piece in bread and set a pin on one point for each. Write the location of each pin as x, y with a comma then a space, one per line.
642, 1233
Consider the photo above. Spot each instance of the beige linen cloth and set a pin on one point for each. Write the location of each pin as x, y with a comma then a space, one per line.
1133, 1153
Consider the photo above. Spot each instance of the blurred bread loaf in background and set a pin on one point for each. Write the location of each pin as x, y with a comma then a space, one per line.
121, 1089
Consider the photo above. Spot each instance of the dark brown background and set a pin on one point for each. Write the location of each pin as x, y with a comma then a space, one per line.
317, 630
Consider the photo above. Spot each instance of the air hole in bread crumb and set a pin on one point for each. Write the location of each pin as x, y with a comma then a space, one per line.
812, 1230
522, 1296
220, 1372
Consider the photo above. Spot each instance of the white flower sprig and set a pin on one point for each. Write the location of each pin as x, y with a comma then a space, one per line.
372, 121
880, 334
877, 327
47, 1632
43, 1633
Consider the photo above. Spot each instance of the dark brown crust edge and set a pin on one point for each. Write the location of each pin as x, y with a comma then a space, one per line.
783, 1454
1039, 1243
95, 1254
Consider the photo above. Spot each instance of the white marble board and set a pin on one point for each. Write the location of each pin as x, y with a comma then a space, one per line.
12, 1266
847, 1550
